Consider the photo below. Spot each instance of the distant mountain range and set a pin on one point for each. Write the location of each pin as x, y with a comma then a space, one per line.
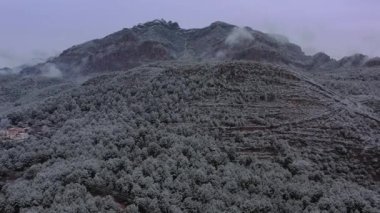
160, 40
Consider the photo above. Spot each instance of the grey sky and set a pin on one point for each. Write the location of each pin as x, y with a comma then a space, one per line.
32, 30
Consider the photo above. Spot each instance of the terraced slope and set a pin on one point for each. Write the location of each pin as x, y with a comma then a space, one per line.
275, 104
229, 137
361, 85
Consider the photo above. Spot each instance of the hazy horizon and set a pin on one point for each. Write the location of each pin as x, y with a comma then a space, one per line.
34, 31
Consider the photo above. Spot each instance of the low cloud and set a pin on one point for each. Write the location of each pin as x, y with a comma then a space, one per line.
5, 71
15, 59
50, 70
279, 38
220, 54
239, 36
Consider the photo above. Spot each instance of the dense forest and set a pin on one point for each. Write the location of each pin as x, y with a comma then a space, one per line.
229, 137
17, 91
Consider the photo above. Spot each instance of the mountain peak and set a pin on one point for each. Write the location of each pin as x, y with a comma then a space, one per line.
221, 24
159, 22
353, 60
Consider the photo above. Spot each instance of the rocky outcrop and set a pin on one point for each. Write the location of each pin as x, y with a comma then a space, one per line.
355, 60
322, 61
373, 62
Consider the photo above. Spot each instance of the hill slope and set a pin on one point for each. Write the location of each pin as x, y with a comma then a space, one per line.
217, 137
17, 91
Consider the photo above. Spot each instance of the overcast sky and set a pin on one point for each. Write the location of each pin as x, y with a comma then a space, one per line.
32, 30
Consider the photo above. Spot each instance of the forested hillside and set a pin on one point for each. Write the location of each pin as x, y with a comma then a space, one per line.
18, 92
361, 85
214, 137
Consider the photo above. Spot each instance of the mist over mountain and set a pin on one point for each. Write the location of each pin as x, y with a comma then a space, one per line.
160, 40
5, 70
157, 118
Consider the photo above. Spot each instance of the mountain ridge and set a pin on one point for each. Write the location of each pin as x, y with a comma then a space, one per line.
161, 40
